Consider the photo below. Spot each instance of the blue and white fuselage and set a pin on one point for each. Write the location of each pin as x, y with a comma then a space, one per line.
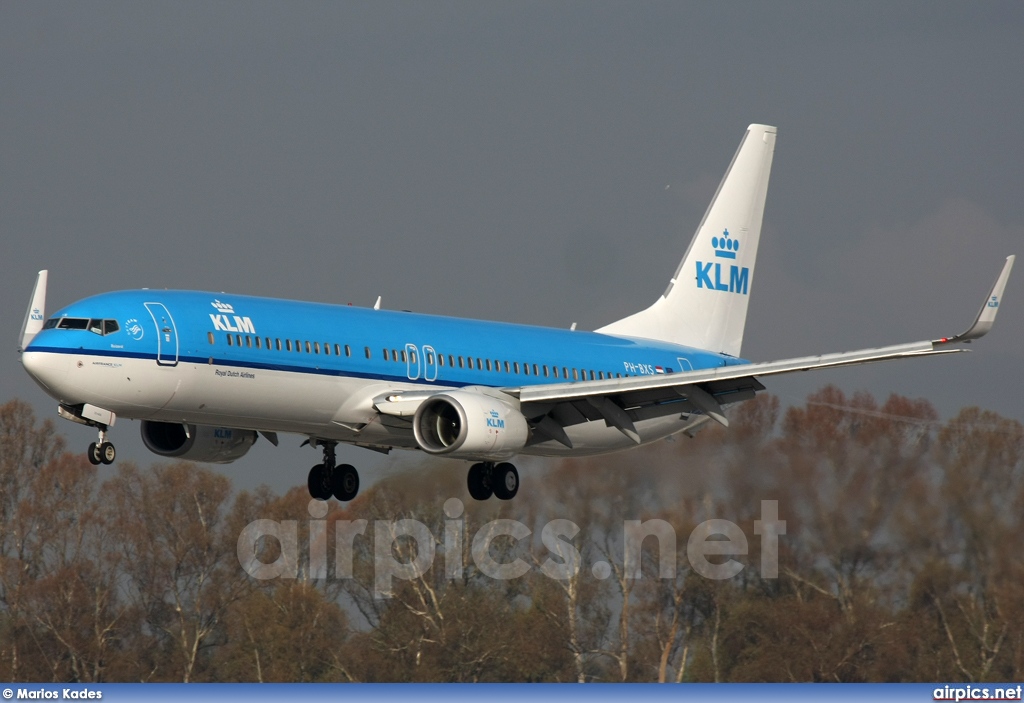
314, 369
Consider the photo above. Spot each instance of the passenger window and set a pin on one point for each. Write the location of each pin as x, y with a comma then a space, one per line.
565, 373
316, 347
209, 336
451, 361
298, 346
404, 359
600, 375
327, 349
574, 376
230, 342
440, 359
430, 358
469, 362
385, 351
460, 362
497, 365
515, 365
248, 341
479, 364
535, 373
368, 353
269, 346
288, 344
488, 364
554, 371
238, 340
277, 344
259, 343
591, 375
526, 369
307, 348
506, 368
412, 357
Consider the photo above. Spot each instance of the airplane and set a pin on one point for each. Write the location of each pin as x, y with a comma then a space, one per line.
208, 373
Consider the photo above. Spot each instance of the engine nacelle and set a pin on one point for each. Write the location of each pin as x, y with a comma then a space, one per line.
471, 425
217, 445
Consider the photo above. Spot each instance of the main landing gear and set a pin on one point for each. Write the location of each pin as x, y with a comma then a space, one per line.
330, 479
487, 479
101, 452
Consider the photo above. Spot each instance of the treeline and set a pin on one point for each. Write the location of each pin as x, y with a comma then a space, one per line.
900, 560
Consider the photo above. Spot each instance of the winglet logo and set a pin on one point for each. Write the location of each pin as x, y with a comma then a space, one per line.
994, 303
710, 274
235, 324
37, 315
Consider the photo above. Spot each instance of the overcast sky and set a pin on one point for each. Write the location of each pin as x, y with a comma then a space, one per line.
536, 162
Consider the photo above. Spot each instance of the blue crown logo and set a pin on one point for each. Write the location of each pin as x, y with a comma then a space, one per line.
725, 248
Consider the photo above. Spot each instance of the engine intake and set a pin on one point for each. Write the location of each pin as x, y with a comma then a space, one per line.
470, 425
216, 445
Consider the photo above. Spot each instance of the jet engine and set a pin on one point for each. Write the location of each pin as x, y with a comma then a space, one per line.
470, 425
217, 445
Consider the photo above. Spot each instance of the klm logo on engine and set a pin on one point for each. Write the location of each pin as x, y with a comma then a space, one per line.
717, 275
495, 421
235, 323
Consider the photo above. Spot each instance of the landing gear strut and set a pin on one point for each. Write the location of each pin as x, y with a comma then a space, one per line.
330, 479
101, 452
487, 479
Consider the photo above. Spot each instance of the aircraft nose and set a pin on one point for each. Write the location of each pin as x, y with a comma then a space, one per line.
47, 369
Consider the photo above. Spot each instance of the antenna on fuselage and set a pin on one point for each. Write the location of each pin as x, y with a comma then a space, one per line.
376, 306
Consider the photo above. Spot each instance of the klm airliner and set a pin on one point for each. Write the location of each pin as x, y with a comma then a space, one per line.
207, 373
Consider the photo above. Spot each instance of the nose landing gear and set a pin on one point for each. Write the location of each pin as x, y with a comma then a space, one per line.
101, 452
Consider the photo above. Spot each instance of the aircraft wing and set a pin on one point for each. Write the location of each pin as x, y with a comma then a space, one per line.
623, 401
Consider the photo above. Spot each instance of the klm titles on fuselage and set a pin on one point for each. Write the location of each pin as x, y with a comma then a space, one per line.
223, 323
241, 324
711, 275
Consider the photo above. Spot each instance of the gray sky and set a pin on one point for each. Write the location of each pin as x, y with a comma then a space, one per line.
510, 161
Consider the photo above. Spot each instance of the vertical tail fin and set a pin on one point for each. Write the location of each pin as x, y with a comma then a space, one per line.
705, 304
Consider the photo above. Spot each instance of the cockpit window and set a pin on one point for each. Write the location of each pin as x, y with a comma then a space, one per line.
100, 327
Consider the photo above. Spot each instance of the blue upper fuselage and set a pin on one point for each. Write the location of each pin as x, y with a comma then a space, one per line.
246, 332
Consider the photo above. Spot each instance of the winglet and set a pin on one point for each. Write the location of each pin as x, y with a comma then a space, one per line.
36, 313
987, 315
